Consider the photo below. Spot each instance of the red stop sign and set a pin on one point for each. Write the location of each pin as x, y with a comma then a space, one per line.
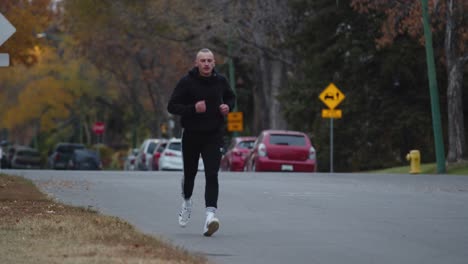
98, 128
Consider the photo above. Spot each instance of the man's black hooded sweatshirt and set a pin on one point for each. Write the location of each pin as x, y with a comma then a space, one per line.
192, 88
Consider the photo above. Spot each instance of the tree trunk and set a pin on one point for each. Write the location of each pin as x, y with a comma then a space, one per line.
264, 36
87, 133
456, 127
271, 79
277, 76
160, 112
261, 93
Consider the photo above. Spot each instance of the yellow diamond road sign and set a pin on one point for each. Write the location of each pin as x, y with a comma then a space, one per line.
332, 96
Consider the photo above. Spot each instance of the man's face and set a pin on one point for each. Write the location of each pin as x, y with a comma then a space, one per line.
205, 63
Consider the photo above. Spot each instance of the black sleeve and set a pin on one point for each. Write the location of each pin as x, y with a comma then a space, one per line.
229, 97
177, 105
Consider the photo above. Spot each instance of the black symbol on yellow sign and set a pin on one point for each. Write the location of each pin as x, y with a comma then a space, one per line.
332, 97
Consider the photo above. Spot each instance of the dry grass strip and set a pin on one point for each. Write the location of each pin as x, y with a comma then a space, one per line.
35, 229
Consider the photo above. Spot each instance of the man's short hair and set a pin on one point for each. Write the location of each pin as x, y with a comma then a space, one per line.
204, 50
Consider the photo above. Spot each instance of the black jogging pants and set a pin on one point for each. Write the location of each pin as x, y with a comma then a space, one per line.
209, 146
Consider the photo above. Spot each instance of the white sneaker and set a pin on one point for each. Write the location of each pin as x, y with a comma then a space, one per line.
185, 212
211, 224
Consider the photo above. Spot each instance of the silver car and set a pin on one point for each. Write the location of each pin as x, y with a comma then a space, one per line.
144, 158
26, 158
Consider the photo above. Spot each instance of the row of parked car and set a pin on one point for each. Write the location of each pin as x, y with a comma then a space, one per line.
157, 154
65, 156
272, 150
20, 157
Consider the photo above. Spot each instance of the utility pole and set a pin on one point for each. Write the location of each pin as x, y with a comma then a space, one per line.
436, 123
232, 77
232, 81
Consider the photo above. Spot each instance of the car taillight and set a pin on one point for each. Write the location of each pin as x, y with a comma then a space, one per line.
262, 150
312, 153
132, 161
237, 153
170, 154
143, 158
156, 157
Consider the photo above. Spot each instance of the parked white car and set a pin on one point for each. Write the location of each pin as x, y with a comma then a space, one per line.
144, 158
171, 157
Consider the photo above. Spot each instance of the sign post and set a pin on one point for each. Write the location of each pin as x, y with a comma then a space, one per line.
331, 97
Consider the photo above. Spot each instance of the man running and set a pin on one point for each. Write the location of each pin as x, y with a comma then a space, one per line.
202, 98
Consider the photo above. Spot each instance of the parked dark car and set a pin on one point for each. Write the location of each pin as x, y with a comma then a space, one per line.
237, 151
84, 159
62, 154
25, 158
282, 150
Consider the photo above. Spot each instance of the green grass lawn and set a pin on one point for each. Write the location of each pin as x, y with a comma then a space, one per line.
428, 168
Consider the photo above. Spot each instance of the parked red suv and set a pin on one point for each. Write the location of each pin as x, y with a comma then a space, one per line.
237, 151
282, 150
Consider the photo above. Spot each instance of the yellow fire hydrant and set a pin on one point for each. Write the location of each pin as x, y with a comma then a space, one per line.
415, 161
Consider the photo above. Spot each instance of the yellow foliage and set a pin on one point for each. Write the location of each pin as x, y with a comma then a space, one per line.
44, 100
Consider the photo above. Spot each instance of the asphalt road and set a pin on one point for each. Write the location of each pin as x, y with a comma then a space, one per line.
287, 217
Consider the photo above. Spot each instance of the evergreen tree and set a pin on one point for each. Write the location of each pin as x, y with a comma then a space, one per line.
386, 111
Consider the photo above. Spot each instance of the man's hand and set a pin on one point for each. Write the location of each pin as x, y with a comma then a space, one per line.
200, 107
224, 109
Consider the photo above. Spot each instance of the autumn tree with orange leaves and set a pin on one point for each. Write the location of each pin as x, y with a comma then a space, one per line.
448, 19
134, 42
